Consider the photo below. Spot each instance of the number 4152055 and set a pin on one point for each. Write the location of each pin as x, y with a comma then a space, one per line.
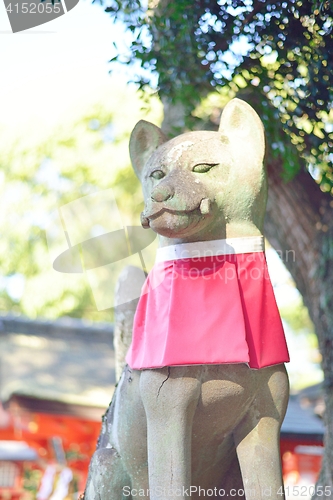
33, 8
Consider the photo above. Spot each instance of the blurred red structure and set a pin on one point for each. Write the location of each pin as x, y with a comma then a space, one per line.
301, 443
57, 378
58, 433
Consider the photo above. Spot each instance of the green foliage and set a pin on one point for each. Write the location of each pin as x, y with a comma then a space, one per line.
282, 51
87, 154
31, 481
297, 316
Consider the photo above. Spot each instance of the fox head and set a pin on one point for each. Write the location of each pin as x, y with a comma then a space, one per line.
203, 185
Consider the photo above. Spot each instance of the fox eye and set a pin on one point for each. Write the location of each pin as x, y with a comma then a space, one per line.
201, 168
157, 174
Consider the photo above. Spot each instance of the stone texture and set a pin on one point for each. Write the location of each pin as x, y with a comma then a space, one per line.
214, 427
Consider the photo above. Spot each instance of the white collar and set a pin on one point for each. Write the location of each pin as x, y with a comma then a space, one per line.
200, 249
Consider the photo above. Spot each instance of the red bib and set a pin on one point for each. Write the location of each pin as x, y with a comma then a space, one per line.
208, 310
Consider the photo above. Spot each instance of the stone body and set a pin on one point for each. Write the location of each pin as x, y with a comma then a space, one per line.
130, 278
173, 430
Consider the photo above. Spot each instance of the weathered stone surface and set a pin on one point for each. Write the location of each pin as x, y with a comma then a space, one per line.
230, 204
130, 278
173, 430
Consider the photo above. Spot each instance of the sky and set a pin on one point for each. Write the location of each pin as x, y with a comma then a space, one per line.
60, 66
46, 70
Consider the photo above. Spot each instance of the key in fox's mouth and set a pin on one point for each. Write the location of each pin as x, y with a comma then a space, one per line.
146, 220
203, 208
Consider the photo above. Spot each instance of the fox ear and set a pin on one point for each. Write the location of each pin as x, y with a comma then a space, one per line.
243, 127
145, 138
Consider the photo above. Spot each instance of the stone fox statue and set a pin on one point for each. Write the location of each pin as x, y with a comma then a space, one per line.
198, 408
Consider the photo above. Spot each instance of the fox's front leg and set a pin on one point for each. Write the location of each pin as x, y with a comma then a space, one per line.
170, 396
257, 437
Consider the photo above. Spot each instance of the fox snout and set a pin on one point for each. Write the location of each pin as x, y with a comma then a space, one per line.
162, 192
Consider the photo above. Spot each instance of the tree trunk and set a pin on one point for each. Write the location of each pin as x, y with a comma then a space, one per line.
299, 225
